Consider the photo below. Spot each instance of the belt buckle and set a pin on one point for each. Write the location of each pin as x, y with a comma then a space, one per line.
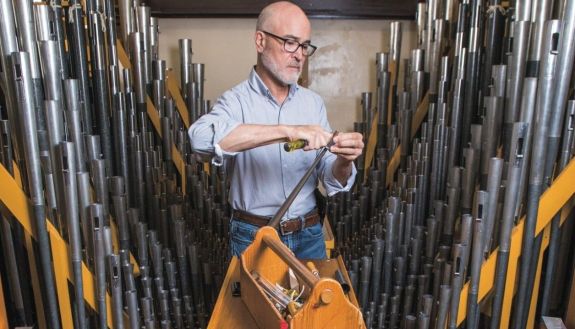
301, 227
281, 229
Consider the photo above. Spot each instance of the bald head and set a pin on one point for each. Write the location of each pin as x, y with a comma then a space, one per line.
280, 13
277, 24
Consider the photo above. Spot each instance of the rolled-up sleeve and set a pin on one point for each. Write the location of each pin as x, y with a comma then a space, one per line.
331, 184
206, 133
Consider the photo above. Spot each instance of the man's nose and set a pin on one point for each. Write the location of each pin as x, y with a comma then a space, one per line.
298, 54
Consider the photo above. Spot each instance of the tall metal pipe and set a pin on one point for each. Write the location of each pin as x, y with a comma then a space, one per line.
143, 27
97, 224
79, 60
536, 173
515, 74
561, 79
555, 234
127, 22
185, 64
101, 87
8, 45
22, 80
507, 219
67, 160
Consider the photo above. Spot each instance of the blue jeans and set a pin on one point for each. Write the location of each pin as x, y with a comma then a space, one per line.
306, 244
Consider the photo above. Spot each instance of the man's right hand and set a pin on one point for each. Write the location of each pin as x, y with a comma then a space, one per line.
315, 136
248, 136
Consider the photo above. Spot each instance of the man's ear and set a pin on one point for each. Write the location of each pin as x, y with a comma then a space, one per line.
259, 41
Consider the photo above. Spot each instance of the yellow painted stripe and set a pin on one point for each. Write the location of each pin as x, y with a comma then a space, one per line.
17, 175
17, 203
61, 275
514, 253
561, 189
15, 200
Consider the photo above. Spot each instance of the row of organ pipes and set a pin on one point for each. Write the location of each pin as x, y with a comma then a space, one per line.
93, 140
465, 135
463, 149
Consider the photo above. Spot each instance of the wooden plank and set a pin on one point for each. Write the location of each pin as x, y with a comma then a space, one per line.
229, 311
371, 144
154, 115
123, 55
176, 156
176, 94
328, 237
418, 117
343, 9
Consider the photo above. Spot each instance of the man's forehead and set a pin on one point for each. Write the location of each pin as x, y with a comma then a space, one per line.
294, 31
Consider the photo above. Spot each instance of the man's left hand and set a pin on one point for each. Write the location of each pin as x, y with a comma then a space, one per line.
347, 145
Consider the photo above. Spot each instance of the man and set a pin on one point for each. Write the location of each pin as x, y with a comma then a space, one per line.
247, 124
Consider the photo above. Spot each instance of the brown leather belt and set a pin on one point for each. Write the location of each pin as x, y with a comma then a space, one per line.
286, 227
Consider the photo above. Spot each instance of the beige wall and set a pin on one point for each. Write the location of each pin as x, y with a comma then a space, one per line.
342, 68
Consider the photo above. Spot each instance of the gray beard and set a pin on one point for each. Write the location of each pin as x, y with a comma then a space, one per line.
275, 71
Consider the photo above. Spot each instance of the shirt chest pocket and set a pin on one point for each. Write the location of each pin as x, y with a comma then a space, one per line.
299, 161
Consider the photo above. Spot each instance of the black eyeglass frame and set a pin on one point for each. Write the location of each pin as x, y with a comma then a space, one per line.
307, 48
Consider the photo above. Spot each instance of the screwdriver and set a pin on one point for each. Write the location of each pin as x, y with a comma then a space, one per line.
301, 143
295, 145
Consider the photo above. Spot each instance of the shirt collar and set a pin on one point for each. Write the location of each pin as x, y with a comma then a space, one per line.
259, 86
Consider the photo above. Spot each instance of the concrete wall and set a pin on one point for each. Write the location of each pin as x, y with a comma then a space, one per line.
341, 69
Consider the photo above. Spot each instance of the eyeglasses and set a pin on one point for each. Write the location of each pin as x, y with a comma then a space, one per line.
291, 46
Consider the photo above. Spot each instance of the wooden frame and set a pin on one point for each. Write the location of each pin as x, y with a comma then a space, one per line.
341, 9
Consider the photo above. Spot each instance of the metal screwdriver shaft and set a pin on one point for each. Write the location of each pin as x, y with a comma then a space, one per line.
274, 222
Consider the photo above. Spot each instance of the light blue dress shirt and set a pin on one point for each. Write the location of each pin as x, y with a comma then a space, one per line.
263, 177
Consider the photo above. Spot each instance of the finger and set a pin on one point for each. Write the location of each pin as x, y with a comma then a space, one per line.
348, 157
350, 143
346, 151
